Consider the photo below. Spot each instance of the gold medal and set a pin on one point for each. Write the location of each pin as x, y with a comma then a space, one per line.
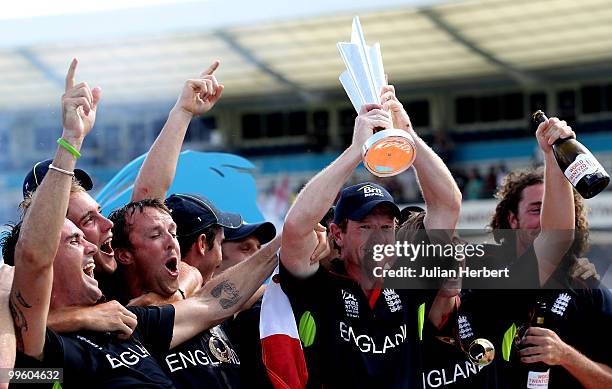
219, 348
481, 352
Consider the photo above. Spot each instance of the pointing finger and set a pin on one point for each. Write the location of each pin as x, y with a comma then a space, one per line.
71, 73
211, 69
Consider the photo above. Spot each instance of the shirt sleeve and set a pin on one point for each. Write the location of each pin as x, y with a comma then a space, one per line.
598, 321
155, 327
302, 293
58, 352
53, 354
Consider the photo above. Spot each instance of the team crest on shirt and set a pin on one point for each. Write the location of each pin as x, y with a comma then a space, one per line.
561, 304
465, 328
350, 304
393, 300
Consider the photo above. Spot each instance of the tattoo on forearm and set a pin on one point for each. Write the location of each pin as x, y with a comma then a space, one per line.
229, 289
21, 300
19, 320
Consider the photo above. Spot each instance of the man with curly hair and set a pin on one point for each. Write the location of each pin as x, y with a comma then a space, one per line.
532, 202
510, 193
514, 193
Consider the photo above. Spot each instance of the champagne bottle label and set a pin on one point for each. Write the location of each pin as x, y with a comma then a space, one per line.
538, 379
583, 164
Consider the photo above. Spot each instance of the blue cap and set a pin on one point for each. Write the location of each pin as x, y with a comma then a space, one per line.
264, 232
35, 176
357, 201
193, 213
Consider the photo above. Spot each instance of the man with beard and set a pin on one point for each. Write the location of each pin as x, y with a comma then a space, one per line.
578, 312
354, 333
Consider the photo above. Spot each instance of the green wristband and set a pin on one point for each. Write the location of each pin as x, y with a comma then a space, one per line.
62, 142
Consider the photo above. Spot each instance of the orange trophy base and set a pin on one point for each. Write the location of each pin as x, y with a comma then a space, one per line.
389, 152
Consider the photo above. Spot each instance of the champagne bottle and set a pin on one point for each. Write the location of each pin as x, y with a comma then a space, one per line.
538, 373
580, 167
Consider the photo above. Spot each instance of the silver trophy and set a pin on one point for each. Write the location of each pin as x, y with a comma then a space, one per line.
389, 151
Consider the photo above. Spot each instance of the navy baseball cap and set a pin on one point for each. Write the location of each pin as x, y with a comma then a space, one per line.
193, 213
357, 201
264, 232
35, 176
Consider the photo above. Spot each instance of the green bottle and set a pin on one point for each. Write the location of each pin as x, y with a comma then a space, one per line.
538, 373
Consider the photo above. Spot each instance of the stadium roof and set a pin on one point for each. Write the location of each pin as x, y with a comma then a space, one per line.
282, 47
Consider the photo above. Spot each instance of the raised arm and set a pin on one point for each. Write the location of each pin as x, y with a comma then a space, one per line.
313, 202
557, 217
44, 220
158, 170
440, 191
224, 295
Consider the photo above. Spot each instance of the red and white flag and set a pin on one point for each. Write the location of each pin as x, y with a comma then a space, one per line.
280, 343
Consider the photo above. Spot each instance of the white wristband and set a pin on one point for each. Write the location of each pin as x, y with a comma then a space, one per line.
51, 167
